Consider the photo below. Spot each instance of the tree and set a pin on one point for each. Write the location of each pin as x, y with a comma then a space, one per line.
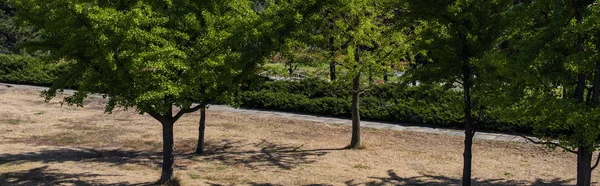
367, 43
237, 45
216, 53
11, 35
554, 78
454, 38
144, 54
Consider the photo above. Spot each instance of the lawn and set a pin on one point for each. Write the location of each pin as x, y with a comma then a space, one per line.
53, 144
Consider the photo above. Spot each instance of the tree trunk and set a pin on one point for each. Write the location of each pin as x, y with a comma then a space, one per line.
584, 170
580, 89
201, 129
469, 131
596, 84
355, 142
168, 155
290, 71
385, 77
332, 72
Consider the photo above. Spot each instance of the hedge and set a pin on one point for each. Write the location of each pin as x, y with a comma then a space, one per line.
29, 70
424, 105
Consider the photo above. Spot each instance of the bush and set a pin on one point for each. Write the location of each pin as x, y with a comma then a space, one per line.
21, 69
427, 105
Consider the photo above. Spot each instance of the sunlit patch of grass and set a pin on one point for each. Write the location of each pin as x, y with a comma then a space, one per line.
14, 121
361, 166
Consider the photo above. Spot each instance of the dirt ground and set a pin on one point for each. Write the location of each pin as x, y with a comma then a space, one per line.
49, 144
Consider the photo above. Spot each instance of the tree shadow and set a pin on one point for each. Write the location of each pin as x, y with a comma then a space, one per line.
112, 157
394, 179
46, 176
269, 155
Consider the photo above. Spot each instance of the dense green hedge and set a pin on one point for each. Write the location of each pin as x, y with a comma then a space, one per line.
21, 69
419, 105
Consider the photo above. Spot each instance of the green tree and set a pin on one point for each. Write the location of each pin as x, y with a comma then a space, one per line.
453, 40
552, 77
234, 40
368, 44
147, 55
10, 36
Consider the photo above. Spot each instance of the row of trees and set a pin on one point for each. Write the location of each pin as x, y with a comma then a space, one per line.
531, 61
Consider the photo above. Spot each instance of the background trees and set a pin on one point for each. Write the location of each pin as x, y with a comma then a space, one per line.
557, 88
453, 39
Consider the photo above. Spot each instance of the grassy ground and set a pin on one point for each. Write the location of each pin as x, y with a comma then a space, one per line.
49, 144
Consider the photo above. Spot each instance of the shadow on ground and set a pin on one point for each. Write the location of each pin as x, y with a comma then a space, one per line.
46, 176
268, 155
394, 179
61, 155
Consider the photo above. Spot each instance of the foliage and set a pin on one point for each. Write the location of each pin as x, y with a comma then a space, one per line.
22, 69
152, 55
11, 35
555, 49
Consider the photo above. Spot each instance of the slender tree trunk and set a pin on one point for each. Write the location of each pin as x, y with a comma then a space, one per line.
201, 129
355, 142
290, 71
580, 89
168, 155
385, 77
332, 73
469, 131
596, 83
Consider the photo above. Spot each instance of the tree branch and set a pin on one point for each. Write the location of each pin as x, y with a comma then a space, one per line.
540, 142
155, 115
597, 161
184, 111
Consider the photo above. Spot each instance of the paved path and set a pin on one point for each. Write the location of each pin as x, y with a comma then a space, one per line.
330, 120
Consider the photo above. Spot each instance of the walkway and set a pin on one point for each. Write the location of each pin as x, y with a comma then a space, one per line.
330, 120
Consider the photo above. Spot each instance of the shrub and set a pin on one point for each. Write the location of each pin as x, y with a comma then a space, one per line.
429, 105
22, 69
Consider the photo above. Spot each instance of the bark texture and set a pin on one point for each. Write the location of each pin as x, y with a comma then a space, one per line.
469, 131
201, 131
168, 155
355, 142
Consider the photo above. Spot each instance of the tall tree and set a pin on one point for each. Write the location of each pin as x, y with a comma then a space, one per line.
143, 54
236, 43
452, 37
367, 43
552, 77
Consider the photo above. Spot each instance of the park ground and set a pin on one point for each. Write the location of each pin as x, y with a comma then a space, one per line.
53, 144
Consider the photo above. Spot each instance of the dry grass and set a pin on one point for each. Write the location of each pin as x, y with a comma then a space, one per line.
49, 144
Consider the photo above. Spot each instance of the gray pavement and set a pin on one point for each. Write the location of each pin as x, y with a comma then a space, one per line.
329, 120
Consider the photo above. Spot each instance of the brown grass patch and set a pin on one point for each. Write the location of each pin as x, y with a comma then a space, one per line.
54, 144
